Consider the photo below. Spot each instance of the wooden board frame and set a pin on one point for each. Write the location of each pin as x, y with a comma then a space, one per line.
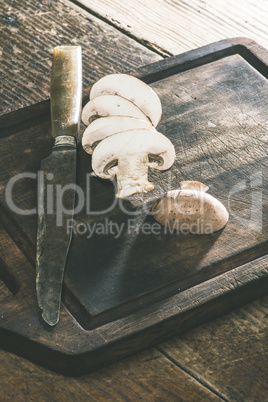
68, 348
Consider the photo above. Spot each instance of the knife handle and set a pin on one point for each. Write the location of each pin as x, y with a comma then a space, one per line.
66, 91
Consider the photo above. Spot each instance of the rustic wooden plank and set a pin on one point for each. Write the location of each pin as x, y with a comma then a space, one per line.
228, 152
234, 156
228, 354
179, 312
22, 330
174, 26
236, 342
28, 386
147, 376
30, 30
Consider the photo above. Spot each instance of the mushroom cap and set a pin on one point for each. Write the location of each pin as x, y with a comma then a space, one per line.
107, 126
191, 211
111, 105
132, 89
132, 142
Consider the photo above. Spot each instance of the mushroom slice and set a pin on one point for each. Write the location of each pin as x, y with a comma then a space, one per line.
130, 150
193, 185
132, 89
107, 126
191, 210
111, 105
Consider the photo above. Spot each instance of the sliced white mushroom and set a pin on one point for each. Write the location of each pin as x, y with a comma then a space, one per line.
191, 210
193, 185
107, 126
126, 154
111, 105
132, 89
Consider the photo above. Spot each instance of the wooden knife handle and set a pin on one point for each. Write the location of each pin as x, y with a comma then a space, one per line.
66, 90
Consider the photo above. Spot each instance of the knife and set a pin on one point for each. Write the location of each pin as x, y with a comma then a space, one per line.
56, 183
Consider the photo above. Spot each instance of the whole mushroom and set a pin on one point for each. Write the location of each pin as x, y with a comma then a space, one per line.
191, 210
128, 154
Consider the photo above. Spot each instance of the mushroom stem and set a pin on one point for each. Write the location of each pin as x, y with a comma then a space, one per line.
132, 171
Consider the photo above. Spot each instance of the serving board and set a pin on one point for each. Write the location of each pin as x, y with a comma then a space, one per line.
128, 282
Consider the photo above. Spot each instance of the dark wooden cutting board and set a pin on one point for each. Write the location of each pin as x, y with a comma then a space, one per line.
123, 293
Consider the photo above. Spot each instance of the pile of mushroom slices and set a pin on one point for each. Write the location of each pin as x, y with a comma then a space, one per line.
122, 115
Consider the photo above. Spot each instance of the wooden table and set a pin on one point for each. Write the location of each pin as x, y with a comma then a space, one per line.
225, 359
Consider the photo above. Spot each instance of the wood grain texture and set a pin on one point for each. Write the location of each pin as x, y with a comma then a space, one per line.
232, 359
174, 26
149, 376
210, 286
32, 382
30, 30
217, 125
23, 331
229, 348
4, 291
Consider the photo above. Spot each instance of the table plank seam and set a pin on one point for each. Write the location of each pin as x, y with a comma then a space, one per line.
149, 45
198, 379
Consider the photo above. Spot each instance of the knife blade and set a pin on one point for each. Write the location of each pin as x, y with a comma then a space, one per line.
56, 184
